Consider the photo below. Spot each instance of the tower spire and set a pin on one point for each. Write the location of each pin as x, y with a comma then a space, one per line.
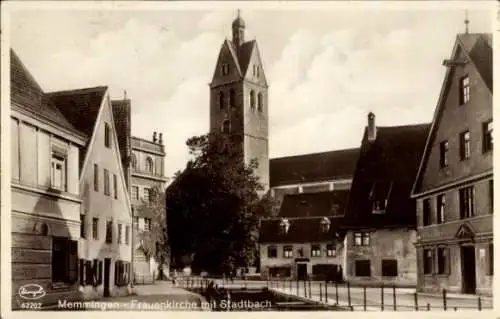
238, 29
466, 21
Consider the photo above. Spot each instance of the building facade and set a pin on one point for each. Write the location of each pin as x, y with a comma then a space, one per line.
239, 99
45, 190
454, 186
104, 248
147, 172
381, 217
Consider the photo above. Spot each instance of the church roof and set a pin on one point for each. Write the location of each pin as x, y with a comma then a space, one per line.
314, 167
314, 204
385, 170
122, 118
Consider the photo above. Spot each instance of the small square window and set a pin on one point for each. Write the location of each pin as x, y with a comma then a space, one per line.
362, 268
443, 154
465, 146
389, 268
288, 251
315, 251
272, 252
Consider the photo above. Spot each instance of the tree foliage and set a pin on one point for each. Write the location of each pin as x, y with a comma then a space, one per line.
213, 206
155, 241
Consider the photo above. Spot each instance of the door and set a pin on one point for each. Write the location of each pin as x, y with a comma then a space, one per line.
468, 270
301, 271
107, 275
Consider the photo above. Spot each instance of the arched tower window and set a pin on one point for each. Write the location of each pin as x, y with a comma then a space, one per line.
221, 100
252, 99
232, 98
133, 161
149, 164
260, 102
226, 126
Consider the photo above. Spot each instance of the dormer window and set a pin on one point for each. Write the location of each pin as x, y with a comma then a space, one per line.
379, 195
284, 226
225, 69
325, 224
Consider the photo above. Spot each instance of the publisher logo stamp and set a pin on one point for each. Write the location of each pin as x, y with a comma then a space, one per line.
31, 292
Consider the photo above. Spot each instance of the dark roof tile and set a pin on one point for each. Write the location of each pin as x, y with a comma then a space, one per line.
314, 204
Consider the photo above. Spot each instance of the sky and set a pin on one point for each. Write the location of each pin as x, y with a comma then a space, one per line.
326, 67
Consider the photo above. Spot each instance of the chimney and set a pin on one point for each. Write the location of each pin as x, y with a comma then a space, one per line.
160, 138
372, 129
154, 137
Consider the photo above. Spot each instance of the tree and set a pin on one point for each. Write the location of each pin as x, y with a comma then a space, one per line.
155, 241
213, 206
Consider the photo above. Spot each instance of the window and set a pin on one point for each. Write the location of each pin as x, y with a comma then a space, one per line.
325, 225
64, 260
147, 223
464, 145
127, 235
225, 69
428, 261
226, 126
115, 185
146, 194
330, 250
389, 268
272, 252
232, 98
136, 222
284, 226
491, 259
379, 206
464, 90
260, 102
362, 268
315, 251
58, 172
109, 231
133, 159
288, 251
149, 164
106, 182
82, 226
426, 212
120, 233
466, 202
443, 260
96, 177
443, 154
361, 239
95, 228
121, 273
81, 271
107, 135
89, 273
252, 99
221, 100
134, 192
491, 195
441, 204
487, 136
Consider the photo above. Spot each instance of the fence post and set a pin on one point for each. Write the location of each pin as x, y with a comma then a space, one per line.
364, 298
336, 292
349, 293
444, 299
479, 303
309, 288
326, 291
394, 296
320, 292
382, 297
415, 297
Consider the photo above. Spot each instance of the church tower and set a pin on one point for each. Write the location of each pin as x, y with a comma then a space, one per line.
239, 98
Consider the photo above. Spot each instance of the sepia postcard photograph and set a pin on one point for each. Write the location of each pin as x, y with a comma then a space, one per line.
289, 156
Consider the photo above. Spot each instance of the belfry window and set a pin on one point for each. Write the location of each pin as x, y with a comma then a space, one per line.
232, 98
221, 100
260, 102
252, 99
226, 126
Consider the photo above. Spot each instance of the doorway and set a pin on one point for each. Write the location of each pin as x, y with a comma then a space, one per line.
301, 271
468, 269
107, 270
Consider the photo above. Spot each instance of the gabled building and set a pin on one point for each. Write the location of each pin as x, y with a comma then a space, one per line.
305, 240
45, 191
454, 185
105, 215
381, 216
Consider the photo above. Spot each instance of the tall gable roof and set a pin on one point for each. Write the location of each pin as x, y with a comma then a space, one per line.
478, 47
122, 118
314, 204
81, 108
313, 167
386, 169
26, 93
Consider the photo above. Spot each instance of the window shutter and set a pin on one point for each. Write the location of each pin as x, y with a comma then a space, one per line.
99, 273
73, 261
82, 272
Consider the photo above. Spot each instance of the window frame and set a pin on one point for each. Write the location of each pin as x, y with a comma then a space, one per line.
225, 126
488, 136
106, 177
491, 260
134, 191
64, 261
252, 100
96, 177
443, 260
331, 250
288, 251
107, 135
464, 88
120, 234
443, 154
428, 261
115, 186
465, 145
426, 212
127, 234
315, 250
95, 228
274, 249
59, 159
367, 266
147, 195
441, 208
109, 231
149, 165
260, 102
388, 267
83, 230
466, 202
364, 237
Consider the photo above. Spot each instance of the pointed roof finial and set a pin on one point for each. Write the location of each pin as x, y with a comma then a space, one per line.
466, 21
124, 94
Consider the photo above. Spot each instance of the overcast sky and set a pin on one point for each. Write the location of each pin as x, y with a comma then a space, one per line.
326, 68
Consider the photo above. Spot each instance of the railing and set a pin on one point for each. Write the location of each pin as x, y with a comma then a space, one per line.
352, 297
144, 279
